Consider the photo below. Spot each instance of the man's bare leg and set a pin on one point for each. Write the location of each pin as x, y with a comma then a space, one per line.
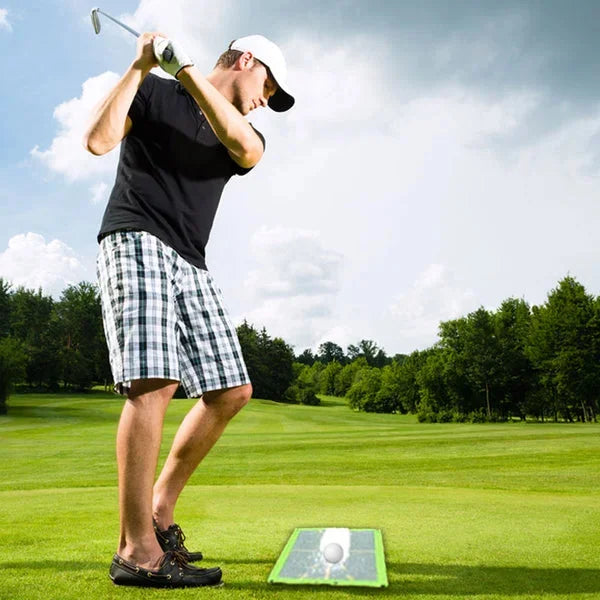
138, 445
197, 434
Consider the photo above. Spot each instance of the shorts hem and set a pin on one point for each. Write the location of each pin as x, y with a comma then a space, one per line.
197, 392
123, 385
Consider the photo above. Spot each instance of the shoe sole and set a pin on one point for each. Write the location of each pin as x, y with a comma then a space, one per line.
180, 587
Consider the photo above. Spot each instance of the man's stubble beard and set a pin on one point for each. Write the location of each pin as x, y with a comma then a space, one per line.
238, 99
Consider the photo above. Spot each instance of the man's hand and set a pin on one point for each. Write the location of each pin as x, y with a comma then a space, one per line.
145, 58
170, 55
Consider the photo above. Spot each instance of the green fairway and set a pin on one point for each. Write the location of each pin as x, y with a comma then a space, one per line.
496, 511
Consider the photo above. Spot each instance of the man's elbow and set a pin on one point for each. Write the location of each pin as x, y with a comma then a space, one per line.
251, 155
92, 146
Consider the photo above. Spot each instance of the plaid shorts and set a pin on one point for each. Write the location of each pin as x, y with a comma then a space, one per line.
164, 318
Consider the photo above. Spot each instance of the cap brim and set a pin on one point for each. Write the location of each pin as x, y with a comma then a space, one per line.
281, 101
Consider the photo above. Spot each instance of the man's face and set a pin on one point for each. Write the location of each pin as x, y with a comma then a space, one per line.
252, 87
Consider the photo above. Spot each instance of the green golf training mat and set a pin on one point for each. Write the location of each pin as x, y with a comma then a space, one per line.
302, 560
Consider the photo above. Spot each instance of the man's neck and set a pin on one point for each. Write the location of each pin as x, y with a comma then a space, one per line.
219, 80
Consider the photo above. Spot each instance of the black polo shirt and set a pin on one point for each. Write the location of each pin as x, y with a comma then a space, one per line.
172, 171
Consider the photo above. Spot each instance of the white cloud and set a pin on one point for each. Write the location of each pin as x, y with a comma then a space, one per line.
66, 155
31, 262
4, 24
293, 262
338, 89
434, 297
99, 193
295, 284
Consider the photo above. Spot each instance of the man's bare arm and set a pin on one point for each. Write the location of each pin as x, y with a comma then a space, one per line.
229, 125
109, 122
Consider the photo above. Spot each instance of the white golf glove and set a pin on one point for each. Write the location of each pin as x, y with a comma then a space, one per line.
170, 55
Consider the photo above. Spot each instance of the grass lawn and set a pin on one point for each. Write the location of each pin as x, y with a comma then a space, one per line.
497, 511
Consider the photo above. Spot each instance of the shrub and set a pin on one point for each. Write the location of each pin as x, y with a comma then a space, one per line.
309, 397
292, 395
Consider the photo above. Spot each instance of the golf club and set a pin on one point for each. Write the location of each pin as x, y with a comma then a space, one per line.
96, 22
167, 54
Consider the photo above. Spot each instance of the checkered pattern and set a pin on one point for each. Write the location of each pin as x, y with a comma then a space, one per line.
164, 318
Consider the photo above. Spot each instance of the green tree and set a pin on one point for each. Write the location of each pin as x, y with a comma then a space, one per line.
79, 316
516, 376
329, 352
381, 359
368, 350
481, 352
45, 367
248, 338
328, 377
306, 358
399, 358
5, 305
269, 362
305, 386
406, 380
346, 376
435, 403
563, 345
462, 396
31, 314
388, 397
13, 360
310, 377
279, 357
366, 385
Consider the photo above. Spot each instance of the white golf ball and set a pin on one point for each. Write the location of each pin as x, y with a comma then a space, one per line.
333, 553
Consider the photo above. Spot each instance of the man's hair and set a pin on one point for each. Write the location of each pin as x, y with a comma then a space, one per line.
228, 58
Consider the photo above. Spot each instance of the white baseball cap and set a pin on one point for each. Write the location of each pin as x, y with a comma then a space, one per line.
269, 54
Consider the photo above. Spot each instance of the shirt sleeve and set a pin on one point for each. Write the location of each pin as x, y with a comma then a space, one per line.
139, 106
242, 170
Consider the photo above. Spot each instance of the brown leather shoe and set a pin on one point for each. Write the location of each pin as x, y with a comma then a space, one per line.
173, 572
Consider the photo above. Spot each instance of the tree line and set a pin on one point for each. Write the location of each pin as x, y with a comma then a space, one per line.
541, 362
51, 345
520, 361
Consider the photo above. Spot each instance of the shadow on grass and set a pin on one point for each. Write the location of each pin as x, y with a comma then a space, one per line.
474, 580
463, 581
55, 565
409, 578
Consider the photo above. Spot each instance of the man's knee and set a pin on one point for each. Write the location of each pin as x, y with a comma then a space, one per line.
245, 395
231, 400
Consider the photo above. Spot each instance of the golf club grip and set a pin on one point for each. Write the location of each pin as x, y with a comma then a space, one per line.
168, 54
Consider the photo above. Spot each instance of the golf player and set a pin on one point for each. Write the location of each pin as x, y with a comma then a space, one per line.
164, 317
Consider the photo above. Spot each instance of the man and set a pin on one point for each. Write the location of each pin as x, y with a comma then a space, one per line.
164, 317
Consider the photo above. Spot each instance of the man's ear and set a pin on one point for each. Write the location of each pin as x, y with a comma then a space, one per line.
245, 61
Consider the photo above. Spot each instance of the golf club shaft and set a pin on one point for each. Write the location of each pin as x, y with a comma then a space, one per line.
133, 31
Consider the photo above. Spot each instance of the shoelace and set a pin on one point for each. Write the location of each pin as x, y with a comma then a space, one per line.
179, 557
181, 539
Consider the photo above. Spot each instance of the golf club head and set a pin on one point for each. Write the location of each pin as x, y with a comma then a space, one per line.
95, 20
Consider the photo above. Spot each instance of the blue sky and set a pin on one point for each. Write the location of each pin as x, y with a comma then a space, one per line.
441, 156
